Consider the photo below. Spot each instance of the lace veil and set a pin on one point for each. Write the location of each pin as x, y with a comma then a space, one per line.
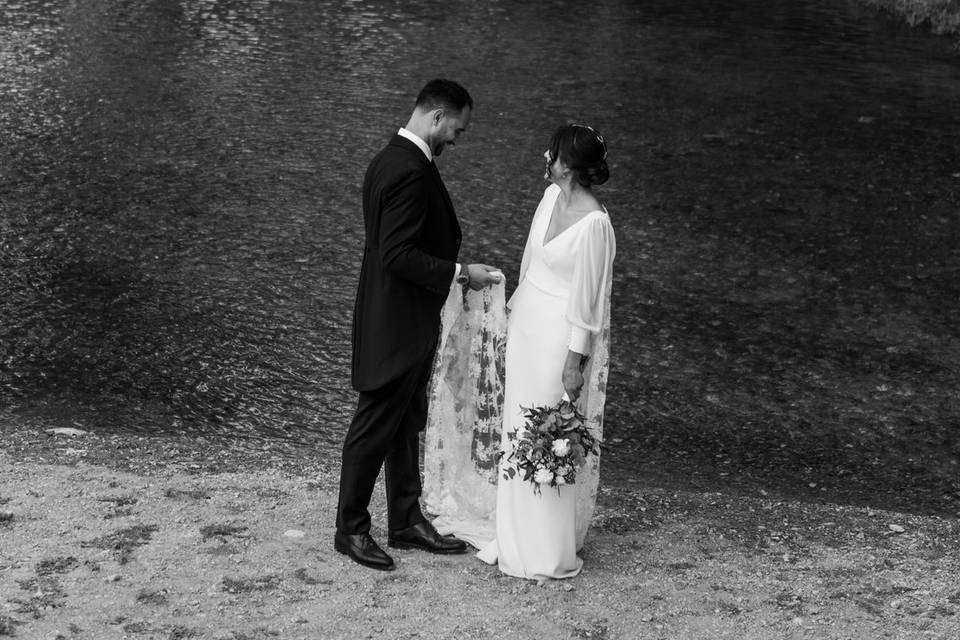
463, 425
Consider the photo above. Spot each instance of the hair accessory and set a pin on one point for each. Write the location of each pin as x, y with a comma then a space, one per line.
596, 133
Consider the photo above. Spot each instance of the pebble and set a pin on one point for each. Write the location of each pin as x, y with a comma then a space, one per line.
294, 534
66, 431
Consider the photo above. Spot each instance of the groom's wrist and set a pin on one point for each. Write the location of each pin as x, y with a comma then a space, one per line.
464, 276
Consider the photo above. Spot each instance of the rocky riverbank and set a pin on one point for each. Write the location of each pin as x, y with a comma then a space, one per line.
940, 16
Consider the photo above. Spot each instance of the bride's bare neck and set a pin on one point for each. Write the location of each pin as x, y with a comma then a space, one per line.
576, 199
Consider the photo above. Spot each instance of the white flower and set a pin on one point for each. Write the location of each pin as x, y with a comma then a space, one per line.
560, 479
543, 476
561, 447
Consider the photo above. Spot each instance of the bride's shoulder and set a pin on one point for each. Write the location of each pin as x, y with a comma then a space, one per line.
600, 209
598, 222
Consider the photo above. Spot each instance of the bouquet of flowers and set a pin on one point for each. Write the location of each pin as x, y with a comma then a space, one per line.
552, 445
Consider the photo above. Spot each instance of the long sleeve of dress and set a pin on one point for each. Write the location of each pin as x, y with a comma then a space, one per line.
591, 275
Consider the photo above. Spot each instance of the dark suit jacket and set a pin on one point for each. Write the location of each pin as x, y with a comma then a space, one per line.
412, 243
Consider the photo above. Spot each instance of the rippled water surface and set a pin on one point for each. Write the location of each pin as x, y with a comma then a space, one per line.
181, 230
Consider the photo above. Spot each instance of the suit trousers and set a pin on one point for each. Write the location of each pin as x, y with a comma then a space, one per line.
385, 432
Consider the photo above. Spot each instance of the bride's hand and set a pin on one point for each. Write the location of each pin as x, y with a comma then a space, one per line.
573, 375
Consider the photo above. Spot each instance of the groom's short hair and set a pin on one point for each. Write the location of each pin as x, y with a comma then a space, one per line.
443, 93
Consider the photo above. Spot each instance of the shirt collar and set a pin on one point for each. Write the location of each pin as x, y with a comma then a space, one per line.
417, 140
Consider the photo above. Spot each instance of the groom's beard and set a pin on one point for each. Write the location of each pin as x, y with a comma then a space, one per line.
438, 149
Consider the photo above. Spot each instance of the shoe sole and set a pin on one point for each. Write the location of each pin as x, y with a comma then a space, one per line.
420, 547
379, 567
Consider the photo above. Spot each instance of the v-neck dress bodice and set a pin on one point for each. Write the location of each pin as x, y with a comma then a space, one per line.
575, 264
552, 262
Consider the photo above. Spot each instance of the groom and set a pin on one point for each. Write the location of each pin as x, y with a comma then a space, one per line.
409, 263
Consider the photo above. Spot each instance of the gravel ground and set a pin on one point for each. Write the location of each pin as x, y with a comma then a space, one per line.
155, 538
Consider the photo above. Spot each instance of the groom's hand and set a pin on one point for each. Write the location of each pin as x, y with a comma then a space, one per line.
482, 275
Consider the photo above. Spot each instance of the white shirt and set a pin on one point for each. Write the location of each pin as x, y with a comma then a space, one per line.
417, 140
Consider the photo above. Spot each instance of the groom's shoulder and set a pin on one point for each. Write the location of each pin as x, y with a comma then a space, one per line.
402, 148
399, 154
392, 165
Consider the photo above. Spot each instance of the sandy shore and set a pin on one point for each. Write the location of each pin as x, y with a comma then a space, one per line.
179, 548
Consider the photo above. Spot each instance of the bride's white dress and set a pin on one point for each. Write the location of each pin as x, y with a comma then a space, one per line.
562, 301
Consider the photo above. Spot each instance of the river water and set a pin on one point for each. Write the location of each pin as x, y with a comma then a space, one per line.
181, 230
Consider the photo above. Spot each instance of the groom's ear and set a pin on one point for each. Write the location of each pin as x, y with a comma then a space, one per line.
437, 116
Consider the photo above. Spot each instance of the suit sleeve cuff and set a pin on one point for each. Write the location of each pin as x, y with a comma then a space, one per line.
456, 273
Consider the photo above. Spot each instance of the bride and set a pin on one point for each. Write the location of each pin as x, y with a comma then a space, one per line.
557, 342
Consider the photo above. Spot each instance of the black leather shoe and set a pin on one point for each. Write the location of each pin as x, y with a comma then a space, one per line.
364, 550
424, 536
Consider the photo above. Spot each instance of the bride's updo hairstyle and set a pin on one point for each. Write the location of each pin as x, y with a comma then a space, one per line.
584, 151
